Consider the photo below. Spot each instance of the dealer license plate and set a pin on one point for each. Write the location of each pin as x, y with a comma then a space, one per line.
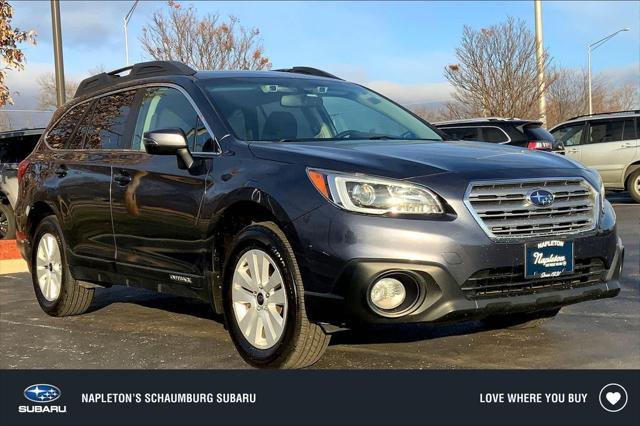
548, 259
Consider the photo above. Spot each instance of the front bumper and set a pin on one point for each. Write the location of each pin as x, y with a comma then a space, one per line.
443, 257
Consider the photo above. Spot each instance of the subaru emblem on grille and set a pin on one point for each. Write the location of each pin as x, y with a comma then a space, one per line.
540, 197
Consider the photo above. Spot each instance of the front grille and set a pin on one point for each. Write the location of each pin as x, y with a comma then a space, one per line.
510, 281
504, 210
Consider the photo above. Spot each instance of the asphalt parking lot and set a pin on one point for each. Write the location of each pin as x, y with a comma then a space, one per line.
129, 328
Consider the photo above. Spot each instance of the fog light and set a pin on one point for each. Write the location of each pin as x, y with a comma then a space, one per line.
388, 293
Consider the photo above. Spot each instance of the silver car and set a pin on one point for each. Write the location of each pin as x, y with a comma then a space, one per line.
609, 143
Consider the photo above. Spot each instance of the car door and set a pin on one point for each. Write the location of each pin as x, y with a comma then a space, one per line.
81, 180
156, 200
610, 145
571, 137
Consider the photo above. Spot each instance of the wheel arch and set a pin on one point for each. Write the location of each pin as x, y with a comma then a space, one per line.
631, 168
240, 209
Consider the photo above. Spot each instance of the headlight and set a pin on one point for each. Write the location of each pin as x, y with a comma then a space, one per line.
366, 194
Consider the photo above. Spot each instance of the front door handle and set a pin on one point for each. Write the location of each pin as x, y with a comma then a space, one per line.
61, 171
629, 145
122, 178
571, 151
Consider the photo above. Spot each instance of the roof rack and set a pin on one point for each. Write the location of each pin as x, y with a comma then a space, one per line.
135, 72
309, 71
631, 111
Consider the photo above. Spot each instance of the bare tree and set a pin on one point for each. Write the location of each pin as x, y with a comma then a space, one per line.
12, 57
206, 44
47, 90
496, 73
568, 95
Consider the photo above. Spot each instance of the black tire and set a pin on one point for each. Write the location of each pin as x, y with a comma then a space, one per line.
74, 298
632, 186
521, 321
302, 342
7, 222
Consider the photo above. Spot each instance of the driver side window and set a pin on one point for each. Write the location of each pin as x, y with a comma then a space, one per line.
166, 108
569, 135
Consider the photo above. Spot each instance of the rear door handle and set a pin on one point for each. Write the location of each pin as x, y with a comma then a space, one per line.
629, 145
122, 178
61, 171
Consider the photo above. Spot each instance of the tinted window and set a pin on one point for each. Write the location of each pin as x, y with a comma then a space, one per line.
569, 135
16, 148
167, 108
538, 133
463, 133
629, 131
59, 135
493, 134
607, 131
108, 122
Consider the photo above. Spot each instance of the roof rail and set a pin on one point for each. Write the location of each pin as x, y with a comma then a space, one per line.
630, 111
309, 71
136, 71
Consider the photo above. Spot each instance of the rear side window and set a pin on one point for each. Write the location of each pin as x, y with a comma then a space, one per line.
537, 133
108, 122
59, 135
629, 131
608, 131
167, 108
463, 133
493, 134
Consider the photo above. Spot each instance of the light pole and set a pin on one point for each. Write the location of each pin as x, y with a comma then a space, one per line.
594, 46
126, 38
542, 104
57, 52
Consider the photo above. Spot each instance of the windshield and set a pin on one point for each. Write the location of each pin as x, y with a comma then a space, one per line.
290, 109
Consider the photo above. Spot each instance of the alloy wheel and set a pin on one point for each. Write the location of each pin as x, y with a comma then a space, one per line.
49, 267
258, 298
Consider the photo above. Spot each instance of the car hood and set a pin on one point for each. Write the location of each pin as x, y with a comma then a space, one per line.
408, 159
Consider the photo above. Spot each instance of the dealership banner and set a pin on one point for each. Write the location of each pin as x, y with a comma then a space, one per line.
210, 397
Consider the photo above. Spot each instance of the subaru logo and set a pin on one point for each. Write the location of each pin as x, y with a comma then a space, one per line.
42, 393
540, 197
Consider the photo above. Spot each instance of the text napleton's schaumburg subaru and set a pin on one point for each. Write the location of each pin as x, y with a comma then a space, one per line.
292, 200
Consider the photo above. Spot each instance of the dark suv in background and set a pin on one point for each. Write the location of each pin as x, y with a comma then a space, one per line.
508, 131
15, 145
293, 199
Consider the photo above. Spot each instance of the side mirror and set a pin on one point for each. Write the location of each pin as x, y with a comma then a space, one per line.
168, 142
558, 147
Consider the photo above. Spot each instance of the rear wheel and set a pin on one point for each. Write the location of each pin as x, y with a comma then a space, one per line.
58, 293
522, 321
7, 222
633, 186
264, 302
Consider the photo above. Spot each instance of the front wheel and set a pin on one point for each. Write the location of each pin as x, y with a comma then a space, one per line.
264, 302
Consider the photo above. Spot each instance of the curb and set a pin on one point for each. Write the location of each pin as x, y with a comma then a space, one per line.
10, 260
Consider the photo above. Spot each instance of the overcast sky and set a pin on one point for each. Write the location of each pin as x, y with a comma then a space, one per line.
399, 48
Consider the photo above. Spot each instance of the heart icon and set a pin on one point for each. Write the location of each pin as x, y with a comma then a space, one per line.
613, 397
